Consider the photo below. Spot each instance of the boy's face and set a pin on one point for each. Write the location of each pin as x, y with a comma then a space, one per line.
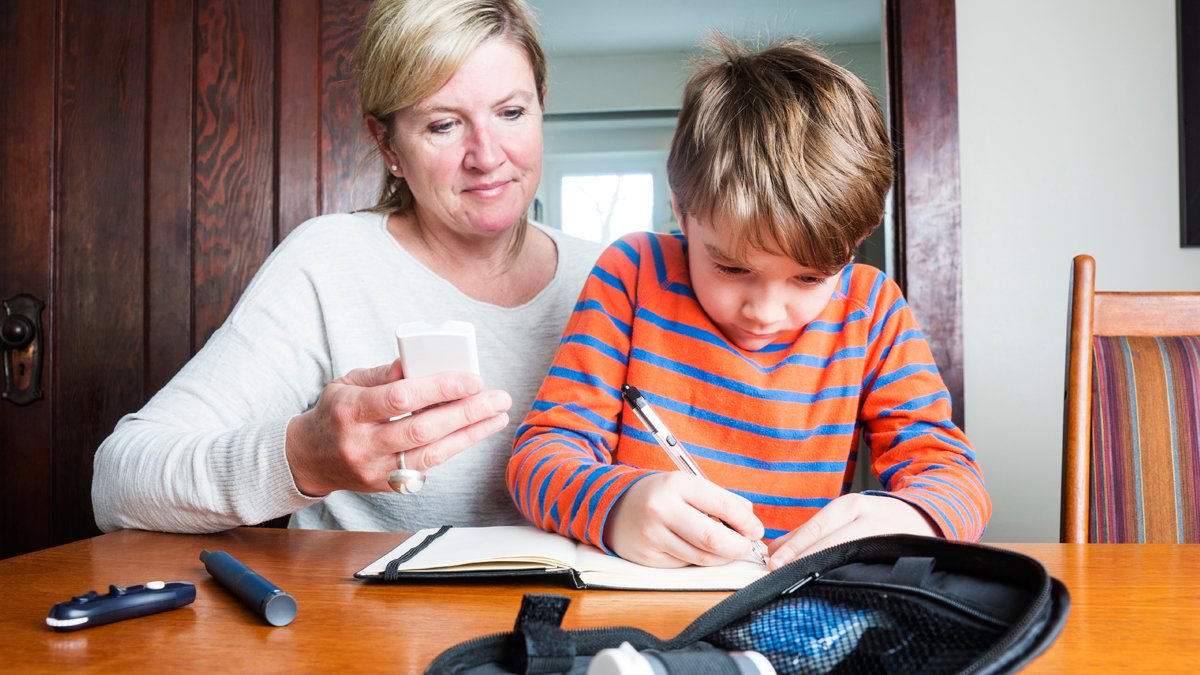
758, 299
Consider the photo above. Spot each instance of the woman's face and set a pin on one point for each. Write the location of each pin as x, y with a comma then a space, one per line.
472, 152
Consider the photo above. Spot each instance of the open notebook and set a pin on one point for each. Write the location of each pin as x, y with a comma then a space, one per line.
520, 550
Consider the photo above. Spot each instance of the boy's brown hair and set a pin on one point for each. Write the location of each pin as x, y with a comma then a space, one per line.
785, 145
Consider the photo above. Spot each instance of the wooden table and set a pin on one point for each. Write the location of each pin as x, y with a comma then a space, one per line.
1135, 608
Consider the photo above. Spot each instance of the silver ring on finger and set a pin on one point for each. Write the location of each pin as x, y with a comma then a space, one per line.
404, 480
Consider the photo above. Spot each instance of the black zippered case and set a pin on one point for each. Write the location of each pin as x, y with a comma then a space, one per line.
887, 604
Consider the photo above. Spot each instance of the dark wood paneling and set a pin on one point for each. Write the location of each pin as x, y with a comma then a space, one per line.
171, 28
101, 239
235, 154
28, 37
299, 78
350, 173
923, 76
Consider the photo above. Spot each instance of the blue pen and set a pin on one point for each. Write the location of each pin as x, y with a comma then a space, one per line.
674, 449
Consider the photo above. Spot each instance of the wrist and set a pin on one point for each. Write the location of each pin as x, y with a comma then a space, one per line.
295, 443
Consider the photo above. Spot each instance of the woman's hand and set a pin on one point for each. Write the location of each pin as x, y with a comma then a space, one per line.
666, 520
349, 440
849, 517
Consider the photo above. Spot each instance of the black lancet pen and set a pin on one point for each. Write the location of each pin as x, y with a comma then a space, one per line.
674, 449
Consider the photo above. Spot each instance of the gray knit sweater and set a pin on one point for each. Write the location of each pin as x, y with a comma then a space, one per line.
207, 452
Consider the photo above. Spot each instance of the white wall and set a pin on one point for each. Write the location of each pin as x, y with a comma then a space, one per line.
1069, 134
616, 82
655, 81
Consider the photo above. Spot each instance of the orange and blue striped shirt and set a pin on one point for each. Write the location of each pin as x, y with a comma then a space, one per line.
779, 426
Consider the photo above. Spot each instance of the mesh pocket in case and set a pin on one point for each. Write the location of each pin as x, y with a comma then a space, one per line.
839, 628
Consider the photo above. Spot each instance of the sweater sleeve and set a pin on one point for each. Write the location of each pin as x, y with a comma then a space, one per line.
561, 475
207, 452
917, 452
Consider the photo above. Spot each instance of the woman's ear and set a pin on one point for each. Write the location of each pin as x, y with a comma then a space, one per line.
383, 142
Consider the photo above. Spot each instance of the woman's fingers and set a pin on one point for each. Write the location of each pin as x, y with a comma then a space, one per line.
379, 402
426, 457
432, 425
374, 376
432, 436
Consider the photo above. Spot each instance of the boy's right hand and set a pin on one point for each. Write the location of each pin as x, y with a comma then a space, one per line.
667, 520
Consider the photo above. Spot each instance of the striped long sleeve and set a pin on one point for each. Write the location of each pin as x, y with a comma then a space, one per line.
779, 426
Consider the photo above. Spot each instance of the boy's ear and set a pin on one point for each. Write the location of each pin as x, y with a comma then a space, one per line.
678, 216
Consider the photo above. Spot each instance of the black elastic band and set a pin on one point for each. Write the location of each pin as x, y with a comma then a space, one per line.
542, 608
539, 644
392, 572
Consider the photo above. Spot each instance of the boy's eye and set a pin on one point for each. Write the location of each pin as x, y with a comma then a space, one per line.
728, 269
811, 281
443, 127
514, 113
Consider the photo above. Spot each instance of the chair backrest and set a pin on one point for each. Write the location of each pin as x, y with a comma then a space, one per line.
1131, 437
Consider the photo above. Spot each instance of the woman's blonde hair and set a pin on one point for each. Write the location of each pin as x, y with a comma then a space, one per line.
409, 49
784, 145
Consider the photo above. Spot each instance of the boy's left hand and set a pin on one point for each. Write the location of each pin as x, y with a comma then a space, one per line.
849, 517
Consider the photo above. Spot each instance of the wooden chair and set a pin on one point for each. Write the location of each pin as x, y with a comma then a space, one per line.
1131, 450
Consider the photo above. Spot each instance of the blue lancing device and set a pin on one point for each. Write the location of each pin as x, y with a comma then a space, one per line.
263, 597
121, 602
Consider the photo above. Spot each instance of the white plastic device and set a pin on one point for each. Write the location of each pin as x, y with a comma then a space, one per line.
625, 660
429, 348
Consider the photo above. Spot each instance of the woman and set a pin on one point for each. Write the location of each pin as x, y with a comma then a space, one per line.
256, 426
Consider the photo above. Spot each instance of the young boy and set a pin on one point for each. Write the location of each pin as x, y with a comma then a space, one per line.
758, 344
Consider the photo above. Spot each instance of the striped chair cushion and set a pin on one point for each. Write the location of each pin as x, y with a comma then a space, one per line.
1145, 482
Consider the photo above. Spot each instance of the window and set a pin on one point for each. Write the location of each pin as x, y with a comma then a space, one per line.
602, 208
602, 196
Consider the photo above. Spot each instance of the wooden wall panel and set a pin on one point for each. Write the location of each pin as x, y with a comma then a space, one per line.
235, 154
171, 27
100, 250
923, 76
28, 37
299, 78
350, 171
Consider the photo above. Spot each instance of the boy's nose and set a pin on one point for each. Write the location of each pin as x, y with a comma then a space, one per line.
762, 308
